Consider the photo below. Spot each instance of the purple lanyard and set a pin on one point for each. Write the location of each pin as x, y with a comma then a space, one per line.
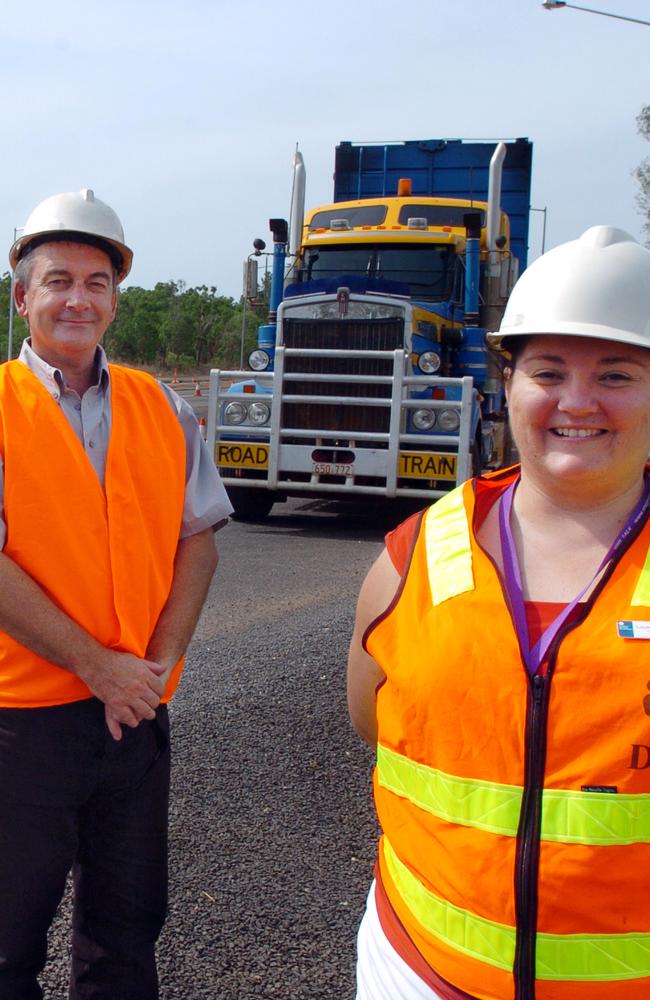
534, 657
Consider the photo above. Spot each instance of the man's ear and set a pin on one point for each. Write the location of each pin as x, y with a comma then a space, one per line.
19, 299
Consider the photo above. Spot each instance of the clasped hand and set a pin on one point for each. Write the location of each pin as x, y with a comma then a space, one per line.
130, 687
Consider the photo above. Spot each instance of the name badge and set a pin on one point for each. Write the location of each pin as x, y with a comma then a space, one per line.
633, 630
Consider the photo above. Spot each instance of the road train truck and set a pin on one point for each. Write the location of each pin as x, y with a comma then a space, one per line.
371, 377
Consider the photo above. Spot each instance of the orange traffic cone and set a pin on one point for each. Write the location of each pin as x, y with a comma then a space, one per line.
175, 377
204, 428
197, 389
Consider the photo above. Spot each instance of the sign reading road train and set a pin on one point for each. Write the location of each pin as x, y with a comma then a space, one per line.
427, 465
243, 455
412, 464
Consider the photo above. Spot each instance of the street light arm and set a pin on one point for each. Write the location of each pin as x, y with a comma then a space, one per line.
557, 4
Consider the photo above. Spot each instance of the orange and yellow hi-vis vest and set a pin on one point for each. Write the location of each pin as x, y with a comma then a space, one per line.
515, 810
105, 557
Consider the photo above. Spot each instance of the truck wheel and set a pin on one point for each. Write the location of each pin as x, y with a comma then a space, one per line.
250, 504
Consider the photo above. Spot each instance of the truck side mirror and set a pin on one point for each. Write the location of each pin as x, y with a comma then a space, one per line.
280, 230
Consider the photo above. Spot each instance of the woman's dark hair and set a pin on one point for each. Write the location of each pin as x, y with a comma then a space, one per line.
513, 346
506, 356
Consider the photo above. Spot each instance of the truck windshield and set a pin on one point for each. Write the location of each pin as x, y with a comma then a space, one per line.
427, 270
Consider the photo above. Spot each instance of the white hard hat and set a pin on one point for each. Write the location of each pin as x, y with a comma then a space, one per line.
76, 212
595, 286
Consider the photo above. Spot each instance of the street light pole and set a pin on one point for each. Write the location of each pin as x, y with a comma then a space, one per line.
243, 321
543, 211
10, 331
12, 285
557, 4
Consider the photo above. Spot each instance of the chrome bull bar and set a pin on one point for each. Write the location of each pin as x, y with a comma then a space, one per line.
376, 453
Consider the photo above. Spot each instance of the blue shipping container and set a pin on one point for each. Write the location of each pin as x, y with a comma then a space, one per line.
441, 168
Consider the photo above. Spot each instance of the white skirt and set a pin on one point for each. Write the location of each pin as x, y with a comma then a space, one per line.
382, 974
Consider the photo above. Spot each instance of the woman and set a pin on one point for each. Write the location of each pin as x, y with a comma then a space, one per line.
500, 663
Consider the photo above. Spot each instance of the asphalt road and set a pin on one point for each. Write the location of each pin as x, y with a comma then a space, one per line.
188, 390
272, 826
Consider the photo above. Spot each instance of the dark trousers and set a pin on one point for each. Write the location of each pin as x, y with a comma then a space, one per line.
71, 798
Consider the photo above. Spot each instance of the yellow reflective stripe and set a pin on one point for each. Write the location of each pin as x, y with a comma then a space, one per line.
641, 594
449, 553
598, 818
482, 939
490, 807
563, 957
592, 958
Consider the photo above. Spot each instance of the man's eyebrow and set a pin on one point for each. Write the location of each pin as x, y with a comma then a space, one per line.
55, 271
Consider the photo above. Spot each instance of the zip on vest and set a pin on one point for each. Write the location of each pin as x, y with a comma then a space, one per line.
530, 821
528, 837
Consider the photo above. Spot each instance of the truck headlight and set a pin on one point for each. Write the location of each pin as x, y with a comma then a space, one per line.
449, 420
234, 413
423, 420
429, 362
259, 413
258, 360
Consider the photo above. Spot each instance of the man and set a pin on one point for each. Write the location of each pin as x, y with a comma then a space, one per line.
109, 504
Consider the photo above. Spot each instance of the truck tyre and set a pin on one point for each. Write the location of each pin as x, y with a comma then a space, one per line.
250, 504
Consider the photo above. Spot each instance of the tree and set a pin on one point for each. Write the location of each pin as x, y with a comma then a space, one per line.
642, 172
175, 326
208, 314
134, 335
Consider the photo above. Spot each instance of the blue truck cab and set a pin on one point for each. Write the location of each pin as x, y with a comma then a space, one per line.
371, 375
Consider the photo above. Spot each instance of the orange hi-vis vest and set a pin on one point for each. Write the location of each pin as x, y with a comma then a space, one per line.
105, 557
515, 810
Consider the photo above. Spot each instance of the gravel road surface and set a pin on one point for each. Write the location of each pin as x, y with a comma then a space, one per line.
272, 826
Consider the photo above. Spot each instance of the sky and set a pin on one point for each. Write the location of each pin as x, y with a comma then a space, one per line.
184, 116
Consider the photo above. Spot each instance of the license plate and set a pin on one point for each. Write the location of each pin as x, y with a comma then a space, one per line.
427, 465
242, 455
331, 469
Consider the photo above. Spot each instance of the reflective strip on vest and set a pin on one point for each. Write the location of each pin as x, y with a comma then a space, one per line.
562, 957
571, 817
449, 552
641, 594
